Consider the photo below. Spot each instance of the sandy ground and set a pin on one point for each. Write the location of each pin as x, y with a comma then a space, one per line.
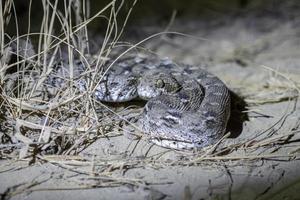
259, 59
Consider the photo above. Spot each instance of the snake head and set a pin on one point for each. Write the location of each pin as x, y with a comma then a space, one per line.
156, 84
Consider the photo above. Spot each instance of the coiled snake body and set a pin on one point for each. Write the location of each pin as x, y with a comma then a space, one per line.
187, 106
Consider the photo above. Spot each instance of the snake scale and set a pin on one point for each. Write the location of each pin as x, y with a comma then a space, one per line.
186, 108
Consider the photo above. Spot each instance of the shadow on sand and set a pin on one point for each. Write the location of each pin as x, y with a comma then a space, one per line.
238, 115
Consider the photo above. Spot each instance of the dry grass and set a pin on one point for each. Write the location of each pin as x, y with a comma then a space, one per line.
55, 130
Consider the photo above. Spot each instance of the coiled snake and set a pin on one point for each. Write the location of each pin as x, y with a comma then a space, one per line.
187, 106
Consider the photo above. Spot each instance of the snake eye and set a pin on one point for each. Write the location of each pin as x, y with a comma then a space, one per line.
160, 83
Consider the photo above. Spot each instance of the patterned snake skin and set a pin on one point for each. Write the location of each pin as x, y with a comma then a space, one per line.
187, 106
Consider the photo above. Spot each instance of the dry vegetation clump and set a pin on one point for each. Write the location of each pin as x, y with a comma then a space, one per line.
42, 110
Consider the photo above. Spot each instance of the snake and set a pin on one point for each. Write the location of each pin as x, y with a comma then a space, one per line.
187, 107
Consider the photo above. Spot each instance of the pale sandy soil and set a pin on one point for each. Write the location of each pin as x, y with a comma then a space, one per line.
259, 59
